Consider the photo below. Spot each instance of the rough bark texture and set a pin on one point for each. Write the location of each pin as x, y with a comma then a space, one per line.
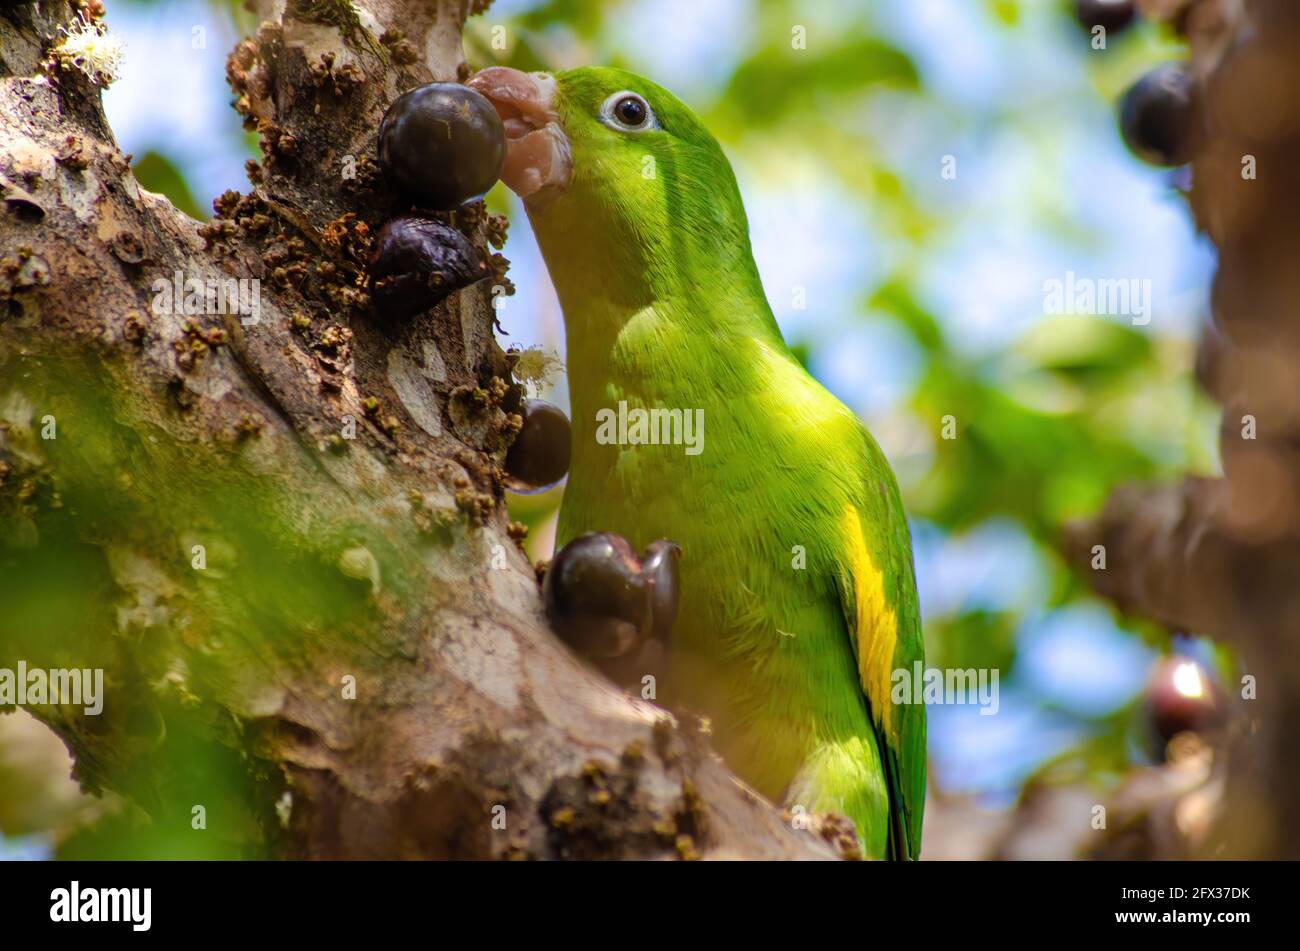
323, 557
1221, 557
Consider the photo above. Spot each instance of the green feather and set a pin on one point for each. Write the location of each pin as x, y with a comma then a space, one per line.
783, 605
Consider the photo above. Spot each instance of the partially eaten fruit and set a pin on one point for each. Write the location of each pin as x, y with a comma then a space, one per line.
614, 608
416, 262
596, 596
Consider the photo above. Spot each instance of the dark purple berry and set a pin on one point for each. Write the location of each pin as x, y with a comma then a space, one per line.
1114, 15
1158, 116
416, 262
442, 144
659, 564
1181, 697
596, 596
539, 456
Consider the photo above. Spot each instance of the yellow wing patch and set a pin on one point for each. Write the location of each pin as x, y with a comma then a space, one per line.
875, 628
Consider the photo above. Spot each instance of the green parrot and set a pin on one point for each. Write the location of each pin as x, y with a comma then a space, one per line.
798, 594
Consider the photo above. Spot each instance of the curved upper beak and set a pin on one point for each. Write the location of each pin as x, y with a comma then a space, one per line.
538, 157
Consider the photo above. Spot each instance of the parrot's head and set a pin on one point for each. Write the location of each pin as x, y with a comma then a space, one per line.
621, 180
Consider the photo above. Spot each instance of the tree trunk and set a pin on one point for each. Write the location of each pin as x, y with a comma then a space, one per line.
1221, 557
332, 645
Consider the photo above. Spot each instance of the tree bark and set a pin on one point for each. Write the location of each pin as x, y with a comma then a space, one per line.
182, 506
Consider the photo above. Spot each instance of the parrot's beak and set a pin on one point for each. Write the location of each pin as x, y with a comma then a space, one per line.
538, 158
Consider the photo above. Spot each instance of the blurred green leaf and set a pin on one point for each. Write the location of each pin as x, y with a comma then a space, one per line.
979, 639
777, 80
895, 299
1006, 12
156, 172
584, 17
520, 53
1080, 347
1007, 458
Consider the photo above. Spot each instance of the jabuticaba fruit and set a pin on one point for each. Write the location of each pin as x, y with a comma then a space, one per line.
1158, 116
539, 456
441, 145
615, 609
659, 564
416, 262
1181, 696
1112, 15
596, 596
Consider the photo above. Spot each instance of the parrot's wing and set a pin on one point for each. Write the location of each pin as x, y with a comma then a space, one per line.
878, 594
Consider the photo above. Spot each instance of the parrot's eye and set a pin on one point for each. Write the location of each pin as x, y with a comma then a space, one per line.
630, 111
627, 112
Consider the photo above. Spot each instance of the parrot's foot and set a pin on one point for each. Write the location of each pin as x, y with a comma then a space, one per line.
843, 778
836, 830
840, 833
614, 608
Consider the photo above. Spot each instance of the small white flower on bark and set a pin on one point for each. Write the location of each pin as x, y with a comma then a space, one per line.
89, 47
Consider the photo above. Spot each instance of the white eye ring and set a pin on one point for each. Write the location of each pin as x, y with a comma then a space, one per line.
608, 118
